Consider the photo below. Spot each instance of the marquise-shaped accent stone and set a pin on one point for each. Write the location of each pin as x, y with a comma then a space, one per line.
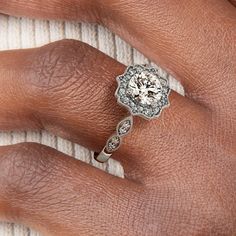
113, 143
124, 126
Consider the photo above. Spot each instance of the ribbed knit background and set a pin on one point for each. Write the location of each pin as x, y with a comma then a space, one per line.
26, 33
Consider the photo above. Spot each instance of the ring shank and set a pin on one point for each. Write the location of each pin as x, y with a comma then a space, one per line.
102, 156
114, 142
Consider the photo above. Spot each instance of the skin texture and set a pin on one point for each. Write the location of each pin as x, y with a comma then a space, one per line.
180, 169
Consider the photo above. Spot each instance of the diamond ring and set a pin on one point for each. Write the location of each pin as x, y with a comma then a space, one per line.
144, 93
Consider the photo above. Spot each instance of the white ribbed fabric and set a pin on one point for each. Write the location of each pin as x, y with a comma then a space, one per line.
26, 33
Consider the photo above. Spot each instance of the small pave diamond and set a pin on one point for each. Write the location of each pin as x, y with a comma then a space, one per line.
113, 143
122, 91
124, 127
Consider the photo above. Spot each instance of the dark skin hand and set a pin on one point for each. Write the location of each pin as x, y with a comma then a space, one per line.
180, 169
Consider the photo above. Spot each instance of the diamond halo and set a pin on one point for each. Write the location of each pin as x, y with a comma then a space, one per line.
143, 91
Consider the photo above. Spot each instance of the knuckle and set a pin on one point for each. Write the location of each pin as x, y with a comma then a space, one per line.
61, 70
60, 73
56, 64
30, 178
62, 77
23, 167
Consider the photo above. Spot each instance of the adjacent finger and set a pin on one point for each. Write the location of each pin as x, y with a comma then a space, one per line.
68, 88
58, 195
194, 40
57, 9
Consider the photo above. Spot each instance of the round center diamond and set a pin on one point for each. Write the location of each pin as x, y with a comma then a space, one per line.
145, 88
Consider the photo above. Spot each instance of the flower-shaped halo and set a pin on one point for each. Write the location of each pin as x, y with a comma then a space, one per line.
143, 91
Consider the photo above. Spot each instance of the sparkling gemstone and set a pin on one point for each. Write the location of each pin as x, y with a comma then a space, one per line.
122, 91
124, 100
145, 88
113, 143
140, 109
124, 127
148, 113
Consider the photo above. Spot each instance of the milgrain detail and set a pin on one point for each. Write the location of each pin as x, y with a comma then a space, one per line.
23, 33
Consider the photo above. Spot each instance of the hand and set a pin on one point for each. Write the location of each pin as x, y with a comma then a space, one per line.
180, 169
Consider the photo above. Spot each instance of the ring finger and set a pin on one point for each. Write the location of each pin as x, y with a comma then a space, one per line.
68, 88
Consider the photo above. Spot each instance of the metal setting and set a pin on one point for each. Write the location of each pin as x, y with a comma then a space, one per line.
103, 156
114, 142
144, 93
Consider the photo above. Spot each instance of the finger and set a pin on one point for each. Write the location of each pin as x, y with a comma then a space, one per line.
194, 40
68, 88
233, 2
57, 195
57, 9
